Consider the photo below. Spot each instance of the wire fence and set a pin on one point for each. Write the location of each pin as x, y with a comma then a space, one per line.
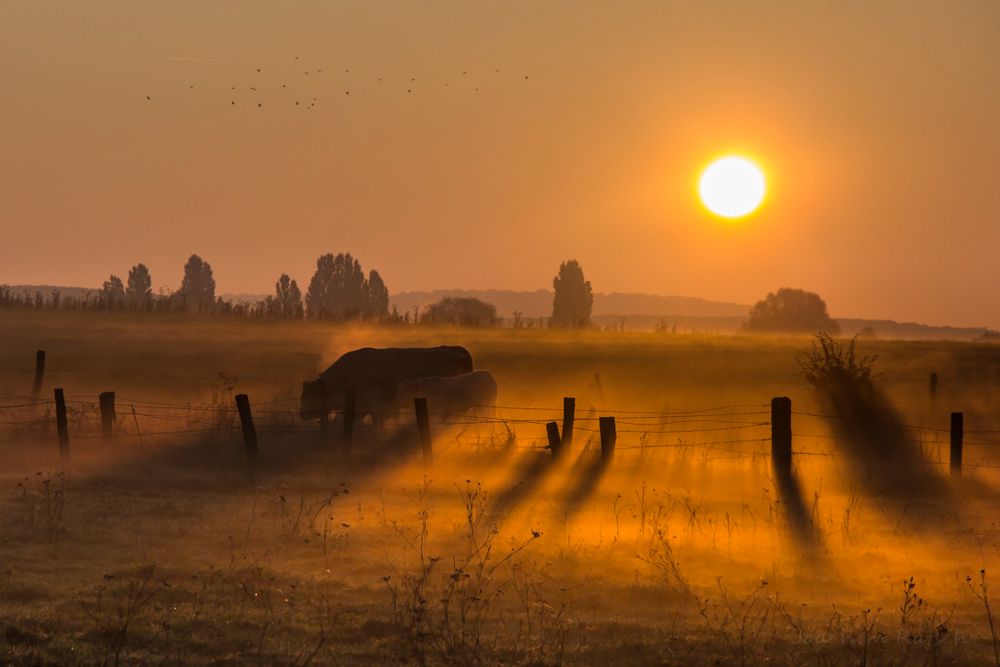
741, 431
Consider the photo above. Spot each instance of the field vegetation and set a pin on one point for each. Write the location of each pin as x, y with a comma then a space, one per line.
154, 547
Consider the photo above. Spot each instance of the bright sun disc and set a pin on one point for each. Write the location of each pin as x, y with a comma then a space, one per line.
732, 187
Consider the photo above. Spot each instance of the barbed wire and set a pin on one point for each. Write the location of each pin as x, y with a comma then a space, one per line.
652, 426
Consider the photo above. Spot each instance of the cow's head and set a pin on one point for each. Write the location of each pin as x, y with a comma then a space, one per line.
317, 399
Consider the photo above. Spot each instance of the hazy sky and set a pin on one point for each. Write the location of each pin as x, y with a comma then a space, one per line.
877, 124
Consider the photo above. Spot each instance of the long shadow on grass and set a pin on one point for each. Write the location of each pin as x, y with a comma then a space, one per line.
883, 456
587, 473
527, 478
790, 496
220, 463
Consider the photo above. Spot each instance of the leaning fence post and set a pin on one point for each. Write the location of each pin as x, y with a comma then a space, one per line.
609, 436
424, 428
349, 416
569, 414
61, 426
108, 417
36, 390
552, 430
781, 435
249, 432
957, 428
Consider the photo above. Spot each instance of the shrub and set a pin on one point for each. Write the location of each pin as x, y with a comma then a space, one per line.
830, 364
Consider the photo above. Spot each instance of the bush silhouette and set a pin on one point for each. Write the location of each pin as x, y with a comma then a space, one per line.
469, 312
790, 311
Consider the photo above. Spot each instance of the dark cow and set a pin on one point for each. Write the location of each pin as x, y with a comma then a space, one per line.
469, 393
374, 375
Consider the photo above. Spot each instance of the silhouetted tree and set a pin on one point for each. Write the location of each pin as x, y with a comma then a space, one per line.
376, 296
337, 289
139, 289
574, 299
469, 312
287, 300
113, 293
197, 292
791, 311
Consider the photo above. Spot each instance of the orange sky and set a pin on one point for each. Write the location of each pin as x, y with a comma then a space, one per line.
876, 123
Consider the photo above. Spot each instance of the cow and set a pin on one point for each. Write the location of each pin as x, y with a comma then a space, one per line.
374, 376
470, 393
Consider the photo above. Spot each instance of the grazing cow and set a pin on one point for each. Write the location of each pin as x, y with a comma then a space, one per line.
470, 393
374, 375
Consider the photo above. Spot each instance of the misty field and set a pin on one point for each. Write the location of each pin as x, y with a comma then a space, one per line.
153, 547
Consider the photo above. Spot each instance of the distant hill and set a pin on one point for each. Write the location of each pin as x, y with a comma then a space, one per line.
539, 303
629, 310
890, 329
242, 297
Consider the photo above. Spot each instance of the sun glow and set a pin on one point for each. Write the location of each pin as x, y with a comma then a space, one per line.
732, 187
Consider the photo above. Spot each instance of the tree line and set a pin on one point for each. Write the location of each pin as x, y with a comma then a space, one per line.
340, 290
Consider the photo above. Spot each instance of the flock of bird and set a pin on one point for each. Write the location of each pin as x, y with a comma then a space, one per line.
306, 101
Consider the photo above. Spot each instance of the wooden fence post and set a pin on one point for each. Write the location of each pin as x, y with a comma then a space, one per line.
424, 428
609, 436
349, 416
552, 430
324, 409
781, 435
249, 433
108, 416
569, 415
61, 426
36, 390
957, 430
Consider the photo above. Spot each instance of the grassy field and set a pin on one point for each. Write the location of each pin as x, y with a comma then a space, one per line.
152, 547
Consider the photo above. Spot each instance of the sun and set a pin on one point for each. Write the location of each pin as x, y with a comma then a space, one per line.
732, 187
